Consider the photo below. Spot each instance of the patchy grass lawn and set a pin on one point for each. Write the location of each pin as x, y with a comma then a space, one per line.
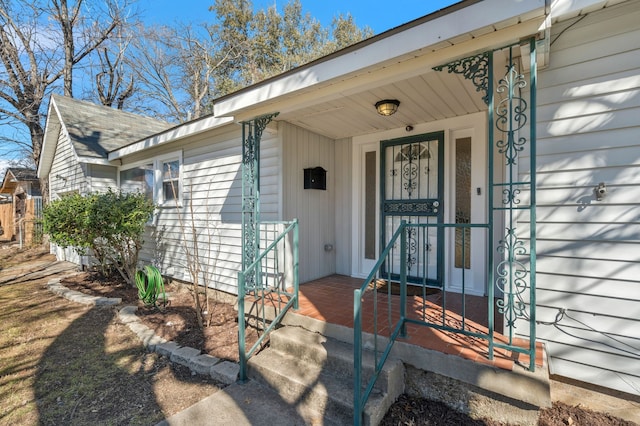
63, 363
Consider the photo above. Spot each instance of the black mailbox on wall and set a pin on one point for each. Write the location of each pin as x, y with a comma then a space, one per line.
315, 178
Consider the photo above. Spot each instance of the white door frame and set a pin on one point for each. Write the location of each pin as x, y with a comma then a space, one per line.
360, 265
473, 125
475, 277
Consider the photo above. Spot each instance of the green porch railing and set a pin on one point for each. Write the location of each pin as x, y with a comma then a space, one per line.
394, 316
511, 264
268, 279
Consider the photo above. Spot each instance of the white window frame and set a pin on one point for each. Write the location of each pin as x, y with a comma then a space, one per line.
158, 163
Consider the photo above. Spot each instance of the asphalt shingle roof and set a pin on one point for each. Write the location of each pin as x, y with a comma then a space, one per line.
96, 130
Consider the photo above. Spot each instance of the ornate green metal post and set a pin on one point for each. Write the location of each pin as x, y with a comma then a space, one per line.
507, 118
490, 183
510, 119
513, 278
242, 351
403, 277
533, 219
251, 136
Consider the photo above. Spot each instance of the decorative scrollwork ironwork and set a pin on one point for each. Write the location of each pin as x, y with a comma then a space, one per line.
474, 68
251, 134
511, 275
410, 175
511, 114
406, 207
511, 196
412, 247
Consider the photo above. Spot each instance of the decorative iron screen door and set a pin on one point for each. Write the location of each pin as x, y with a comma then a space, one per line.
412, 189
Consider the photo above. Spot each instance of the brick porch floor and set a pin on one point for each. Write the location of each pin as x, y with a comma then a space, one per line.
330, 299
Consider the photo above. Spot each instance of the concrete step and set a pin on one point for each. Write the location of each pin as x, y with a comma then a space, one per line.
314, 374
518, 385
336, 356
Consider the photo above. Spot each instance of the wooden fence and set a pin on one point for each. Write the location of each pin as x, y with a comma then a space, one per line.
6, 221
25, 229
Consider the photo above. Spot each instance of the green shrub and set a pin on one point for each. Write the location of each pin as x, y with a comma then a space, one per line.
110, 225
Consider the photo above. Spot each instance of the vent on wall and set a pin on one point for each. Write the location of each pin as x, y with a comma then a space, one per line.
315, 178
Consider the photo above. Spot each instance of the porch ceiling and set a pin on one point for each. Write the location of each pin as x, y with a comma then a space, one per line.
428, 96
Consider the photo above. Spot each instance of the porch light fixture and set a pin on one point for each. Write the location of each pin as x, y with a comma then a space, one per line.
387, 107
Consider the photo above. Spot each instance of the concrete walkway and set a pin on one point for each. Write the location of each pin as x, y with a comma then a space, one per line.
239, 405
35, 270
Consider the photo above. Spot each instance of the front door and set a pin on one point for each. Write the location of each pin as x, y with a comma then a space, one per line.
412, 189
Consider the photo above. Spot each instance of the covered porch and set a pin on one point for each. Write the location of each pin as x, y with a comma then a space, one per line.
330, 300
437, 193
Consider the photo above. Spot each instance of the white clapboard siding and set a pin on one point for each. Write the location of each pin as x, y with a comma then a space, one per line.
575, 334
66, 174
626, 366
343, 200
627, 175
618, 325
588, 251
212, 207
622, 251
587, 232
314, 209
605, 375
583, 195
597, 305
592, 212
101, 178
602, 287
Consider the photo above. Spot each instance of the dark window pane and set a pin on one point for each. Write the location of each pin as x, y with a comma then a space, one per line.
463, 201
370, 206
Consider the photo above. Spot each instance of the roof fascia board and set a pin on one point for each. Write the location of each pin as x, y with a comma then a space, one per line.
171, 135
94, 160
398, 44
44, 167
416, 65
6, 180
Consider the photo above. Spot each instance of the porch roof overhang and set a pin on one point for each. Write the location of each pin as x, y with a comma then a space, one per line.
51, 131
174, 134
335, 95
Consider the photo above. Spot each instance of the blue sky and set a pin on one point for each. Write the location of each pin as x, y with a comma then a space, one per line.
379, 15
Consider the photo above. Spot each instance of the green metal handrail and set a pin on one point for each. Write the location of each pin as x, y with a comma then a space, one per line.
509, 131
260, 290
360, 398
398, 329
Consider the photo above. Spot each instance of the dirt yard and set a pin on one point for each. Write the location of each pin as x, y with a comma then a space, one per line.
62, 363
66, 364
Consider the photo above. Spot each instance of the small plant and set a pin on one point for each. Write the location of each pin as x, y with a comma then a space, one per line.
150, 285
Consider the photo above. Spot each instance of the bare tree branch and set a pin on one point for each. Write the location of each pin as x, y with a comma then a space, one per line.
37, 48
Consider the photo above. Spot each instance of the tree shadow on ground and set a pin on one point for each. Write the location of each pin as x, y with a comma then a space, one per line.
96, 371
79, 382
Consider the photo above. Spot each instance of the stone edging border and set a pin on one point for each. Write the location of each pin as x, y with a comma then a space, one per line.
75, 296
225, 372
